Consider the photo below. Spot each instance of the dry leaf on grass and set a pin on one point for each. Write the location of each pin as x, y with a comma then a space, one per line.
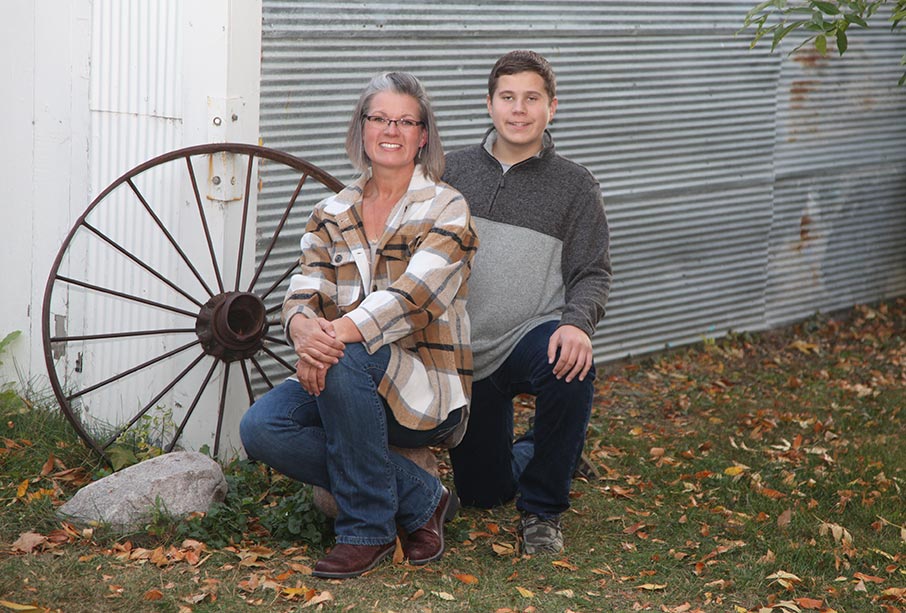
467, 579
809, 603
785, 518
323, 597
28, 541
25, 608
787, 580
565, 564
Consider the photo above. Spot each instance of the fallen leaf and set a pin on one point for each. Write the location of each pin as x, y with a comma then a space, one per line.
787, 580
869, 578
324, 596
292, 592
28, 608
565, 564
418, 594
651, 586
467, 579
503, 549
524, 592
735, 470
27, 542
785, 518
48, 466
839, 533
153, 595
398, 554
444, 595
771, 493
805, 347
809, 603
300, 568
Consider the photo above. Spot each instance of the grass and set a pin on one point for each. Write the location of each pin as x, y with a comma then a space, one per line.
753, 473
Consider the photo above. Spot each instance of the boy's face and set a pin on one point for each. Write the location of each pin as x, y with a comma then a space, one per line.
521, 109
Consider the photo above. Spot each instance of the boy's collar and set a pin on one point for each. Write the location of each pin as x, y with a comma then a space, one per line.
490, 138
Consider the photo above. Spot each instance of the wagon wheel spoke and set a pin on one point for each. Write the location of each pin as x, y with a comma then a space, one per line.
138, 284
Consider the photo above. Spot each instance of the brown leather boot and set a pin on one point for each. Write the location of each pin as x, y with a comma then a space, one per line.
427, 543
345, 561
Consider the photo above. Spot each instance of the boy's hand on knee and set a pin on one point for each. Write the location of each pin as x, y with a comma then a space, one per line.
575, 353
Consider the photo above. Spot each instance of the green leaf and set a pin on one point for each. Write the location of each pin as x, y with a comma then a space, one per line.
821, 44
828, 8
852, 18
841, 41
8, 339
780, 33
121, 457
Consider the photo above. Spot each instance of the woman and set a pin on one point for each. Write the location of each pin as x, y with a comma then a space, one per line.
377, 318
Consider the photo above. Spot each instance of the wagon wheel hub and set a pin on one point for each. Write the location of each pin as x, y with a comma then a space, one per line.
231, 326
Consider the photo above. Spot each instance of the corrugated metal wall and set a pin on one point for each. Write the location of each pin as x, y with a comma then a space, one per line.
716, 162
840, 192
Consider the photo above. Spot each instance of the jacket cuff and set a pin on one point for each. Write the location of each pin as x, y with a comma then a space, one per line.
371, 332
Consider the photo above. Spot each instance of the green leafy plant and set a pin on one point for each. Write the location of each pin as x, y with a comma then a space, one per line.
6, 389
9, 338
262, 502
144, 440
824, 21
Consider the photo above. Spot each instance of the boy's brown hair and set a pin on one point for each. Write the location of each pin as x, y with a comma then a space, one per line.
523, 60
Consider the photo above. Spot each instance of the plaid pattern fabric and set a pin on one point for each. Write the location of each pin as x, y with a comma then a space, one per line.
412, 297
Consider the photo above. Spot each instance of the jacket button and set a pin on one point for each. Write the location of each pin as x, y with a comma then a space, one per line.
338, 259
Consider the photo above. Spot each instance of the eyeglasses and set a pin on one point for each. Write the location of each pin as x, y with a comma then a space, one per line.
384, 122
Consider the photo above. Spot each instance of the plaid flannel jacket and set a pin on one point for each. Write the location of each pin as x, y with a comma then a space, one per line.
412, 297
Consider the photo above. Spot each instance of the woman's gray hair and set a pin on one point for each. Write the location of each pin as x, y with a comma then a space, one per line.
431, 156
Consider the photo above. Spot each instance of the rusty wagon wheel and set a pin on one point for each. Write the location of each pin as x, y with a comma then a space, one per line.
151, 331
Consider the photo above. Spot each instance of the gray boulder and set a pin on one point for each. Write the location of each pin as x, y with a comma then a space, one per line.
178, 483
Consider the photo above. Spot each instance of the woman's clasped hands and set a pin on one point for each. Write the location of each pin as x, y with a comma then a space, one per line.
315, 342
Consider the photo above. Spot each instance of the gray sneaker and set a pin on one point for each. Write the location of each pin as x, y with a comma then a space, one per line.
540, 535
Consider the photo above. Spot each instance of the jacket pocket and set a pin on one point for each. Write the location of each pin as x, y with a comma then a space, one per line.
349, 285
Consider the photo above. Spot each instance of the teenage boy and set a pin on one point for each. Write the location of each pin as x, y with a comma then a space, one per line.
538, 288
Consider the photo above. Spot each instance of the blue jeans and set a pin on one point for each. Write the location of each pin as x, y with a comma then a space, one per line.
339, 441
489, 468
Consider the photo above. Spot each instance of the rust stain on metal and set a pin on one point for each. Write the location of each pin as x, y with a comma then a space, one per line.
800, 91
809, 57
806, 233
804, 224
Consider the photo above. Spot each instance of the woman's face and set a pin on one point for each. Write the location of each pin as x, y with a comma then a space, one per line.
393, 145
